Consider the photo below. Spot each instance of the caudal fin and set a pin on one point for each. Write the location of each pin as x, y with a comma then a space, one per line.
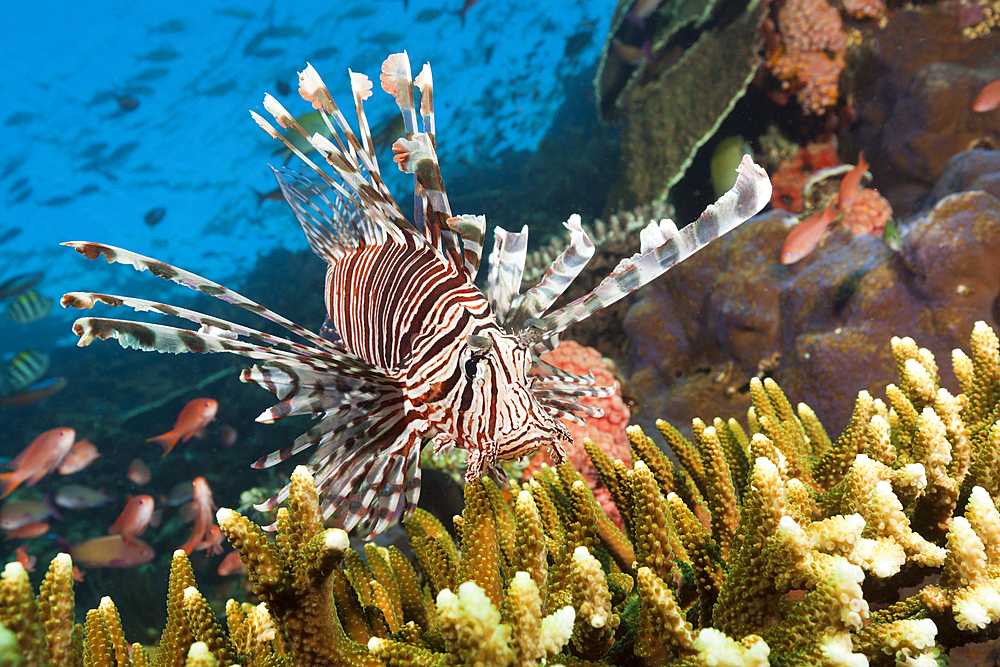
166, 440
8, 482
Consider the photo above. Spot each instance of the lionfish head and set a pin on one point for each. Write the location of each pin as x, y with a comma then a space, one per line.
501, 417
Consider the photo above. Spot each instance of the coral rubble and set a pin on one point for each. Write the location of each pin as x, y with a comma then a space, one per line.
771, 544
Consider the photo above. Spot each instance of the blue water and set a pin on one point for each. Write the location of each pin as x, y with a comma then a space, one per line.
110, 110
76, 166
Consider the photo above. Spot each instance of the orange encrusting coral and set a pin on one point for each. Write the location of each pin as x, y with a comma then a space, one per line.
607, 432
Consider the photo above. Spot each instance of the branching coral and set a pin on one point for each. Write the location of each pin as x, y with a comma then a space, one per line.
761, 546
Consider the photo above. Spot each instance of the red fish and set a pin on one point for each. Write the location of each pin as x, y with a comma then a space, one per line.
988, 98
38, 459
111, 551
139, 473
134, 519
81, 454
804, 238
851, 185
26, 560
28, 531
231, 565
204, 510
195, 416
212, 542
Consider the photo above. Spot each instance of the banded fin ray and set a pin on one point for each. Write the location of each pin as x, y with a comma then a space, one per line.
506, 269
195, 282
564, 270
150, 337
332, 228
370, 483
348, 161
457, 238
664, 247
87, 300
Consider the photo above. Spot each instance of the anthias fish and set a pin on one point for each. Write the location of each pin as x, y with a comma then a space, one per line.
412, 351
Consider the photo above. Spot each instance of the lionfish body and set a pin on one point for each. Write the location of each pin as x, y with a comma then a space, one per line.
412, 351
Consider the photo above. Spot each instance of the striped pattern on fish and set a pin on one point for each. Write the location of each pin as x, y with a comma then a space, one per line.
29, 307
416, 353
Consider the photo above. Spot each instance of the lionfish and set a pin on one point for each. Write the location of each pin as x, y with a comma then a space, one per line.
412, 351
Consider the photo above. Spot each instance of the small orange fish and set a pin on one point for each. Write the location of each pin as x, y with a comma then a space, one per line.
139, 473
195, 416
111, 551
204, 511
851, 183
134, 519
231, 565
805, 236
212, 542
988, 98
25, 559
28, 531
81, 454
38, 459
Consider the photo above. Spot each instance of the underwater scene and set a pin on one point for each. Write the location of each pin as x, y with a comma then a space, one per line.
476, 332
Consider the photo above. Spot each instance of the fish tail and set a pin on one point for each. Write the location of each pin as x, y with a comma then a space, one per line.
261, 196
193, 541
166, 440
8, 482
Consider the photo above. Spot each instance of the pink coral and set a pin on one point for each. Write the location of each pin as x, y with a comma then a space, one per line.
869, 213
791, 175
608, 432
865, 9
811, 25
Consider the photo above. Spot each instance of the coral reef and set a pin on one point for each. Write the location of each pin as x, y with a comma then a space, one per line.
791, 174
733, 312
606, 432
912, 93
764, 545
650, 62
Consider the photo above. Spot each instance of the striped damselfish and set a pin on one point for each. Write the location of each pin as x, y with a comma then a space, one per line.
412, 351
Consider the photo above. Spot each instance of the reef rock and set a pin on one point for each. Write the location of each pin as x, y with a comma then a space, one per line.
912, 93
819, 326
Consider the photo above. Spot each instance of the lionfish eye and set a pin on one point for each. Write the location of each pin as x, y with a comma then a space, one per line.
471, 367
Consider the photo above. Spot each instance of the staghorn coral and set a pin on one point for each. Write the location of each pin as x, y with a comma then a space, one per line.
764, 545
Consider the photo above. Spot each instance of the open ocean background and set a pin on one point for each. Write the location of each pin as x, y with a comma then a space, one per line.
74, 165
